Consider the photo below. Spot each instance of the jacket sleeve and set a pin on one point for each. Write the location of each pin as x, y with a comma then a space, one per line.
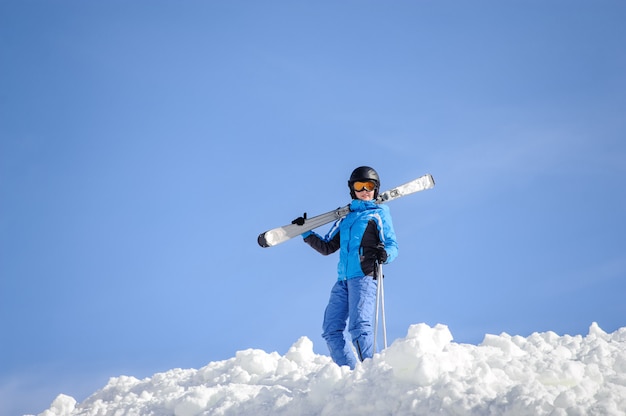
391, 245
326, 245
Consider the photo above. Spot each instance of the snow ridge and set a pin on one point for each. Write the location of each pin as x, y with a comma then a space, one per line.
423, 373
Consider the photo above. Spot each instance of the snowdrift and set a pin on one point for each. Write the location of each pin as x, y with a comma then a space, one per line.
424, 373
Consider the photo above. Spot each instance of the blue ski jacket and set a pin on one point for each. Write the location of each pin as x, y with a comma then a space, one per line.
357, 236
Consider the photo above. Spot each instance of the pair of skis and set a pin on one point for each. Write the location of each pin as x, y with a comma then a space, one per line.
279, 235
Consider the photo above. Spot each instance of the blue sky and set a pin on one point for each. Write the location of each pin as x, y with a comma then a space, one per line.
145, 145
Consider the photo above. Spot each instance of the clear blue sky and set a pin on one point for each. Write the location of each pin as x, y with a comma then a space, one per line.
144, 145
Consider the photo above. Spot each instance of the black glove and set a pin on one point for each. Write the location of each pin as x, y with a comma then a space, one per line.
381, 253
377, 253
381, 257
299, 220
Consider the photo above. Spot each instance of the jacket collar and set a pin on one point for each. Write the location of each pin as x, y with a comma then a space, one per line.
359, 205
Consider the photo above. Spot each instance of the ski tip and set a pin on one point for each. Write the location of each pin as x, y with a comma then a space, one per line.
262, 241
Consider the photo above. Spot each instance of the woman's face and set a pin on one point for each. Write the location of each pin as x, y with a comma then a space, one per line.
365, 195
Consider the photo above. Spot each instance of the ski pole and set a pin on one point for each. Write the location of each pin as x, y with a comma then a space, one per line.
382, 305
380, 300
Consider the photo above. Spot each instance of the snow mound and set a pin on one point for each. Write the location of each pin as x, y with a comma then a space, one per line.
424, 373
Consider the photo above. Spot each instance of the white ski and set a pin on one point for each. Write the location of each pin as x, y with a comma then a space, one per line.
279, 235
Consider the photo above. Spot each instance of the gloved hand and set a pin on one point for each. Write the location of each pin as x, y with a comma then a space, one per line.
381, 253
377, 253
299, 220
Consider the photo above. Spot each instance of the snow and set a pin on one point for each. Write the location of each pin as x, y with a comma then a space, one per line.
425, 373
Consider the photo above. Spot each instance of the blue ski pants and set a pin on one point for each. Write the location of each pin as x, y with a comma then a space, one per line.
353, 301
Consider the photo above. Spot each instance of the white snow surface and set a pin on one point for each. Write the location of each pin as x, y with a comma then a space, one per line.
424, 373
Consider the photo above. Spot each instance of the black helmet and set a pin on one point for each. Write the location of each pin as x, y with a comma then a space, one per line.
364, 173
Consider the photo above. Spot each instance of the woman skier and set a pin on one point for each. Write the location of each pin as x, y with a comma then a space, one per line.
364, 238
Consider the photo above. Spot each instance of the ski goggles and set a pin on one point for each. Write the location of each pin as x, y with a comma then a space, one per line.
363, 186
